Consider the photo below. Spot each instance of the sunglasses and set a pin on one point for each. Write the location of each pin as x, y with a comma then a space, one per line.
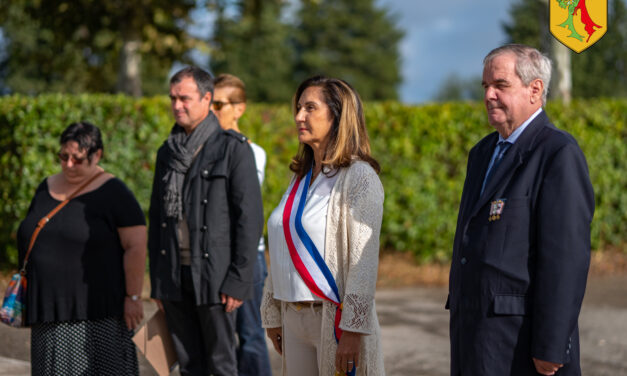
218, 104
66, 157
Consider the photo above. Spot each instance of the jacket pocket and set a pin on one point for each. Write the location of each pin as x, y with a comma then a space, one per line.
517, 210
510, 305
214, 182
212, 171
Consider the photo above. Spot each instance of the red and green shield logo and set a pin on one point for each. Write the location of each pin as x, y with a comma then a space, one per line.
578, 24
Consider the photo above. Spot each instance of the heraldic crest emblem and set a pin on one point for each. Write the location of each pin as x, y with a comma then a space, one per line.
578, 24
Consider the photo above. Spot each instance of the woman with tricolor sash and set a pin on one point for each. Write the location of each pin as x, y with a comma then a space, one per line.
318, 306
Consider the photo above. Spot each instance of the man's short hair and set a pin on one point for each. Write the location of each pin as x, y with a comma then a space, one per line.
228, 80
531, 64
202, 78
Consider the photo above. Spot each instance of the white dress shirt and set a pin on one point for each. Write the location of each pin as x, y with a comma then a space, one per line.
288, 285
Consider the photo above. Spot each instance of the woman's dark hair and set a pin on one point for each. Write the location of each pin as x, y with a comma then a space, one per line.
86, 135
348, 137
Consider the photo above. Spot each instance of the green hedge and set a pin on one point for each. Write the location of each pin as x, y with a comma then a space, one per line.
422, 150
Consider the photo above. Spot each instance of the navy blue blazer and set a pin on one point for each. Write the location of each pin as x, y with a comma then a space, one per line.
521, 256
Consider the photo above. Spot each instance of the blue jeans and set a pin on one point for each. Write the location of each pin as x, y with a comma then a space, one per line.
252, 353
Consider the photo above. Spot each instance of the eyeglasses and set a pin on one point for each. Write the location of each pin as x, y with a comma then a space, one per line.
66, 157
218, 104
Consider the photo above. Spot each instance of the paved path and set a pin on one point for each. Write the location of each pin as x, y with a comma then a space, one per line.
414, 329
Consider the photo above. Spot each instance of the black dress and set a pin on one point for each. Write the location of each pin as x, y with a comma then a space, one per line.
76, 286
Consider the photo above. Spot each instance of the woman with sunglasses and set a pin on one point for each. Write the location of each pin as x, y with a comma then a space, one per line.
86, 267
229, 104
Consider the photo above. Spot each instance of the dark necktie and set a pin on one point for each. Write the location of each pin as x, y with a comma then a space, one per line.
500, 150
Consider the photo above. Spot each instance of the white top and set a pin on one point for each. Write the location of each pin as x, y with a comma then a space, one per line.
288, 285
260, 162
352, 255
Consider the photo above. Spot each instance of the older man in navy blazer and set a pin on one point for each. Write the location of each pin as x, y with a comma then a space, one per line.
522, 246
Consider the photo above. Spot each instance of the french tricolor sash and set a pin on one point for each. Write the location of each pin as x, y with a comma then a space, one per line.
307, 260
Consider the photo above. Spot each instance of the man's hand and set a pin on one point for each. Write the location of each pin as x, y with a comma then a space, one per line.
276, 336
133, 312
347, 354
546, 368
230, 303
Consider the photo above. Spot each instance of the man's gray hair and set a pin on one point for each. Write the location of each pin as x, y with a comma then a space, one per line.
531, 64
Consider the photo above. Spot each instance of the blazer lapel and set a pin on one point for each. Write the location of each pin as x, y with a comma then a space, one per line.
477, 173
502, 175
514, 157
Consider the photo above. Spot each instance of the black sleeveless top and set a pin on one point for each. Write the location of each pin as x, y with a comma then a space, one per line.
75, 270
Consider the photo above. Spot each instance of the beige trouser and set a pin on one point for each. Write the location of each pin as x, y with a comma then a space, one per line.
301, 335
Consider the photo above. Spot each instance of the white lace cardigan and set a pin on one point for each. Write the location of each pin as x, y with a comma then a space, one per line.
352, 254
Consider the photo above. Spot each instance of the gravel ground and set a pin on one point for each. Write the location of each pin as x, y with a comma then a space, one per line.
414, 329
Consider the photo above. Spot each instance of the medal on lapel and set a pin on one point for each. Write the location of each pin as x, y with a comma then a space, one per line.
496, 209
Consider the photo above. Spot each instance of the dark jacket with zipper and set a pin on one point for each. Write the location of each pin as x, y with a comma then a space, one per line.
223, 207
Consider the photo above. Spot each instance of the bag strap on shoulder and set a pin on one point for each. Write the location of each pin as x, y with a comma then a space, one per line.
42, 222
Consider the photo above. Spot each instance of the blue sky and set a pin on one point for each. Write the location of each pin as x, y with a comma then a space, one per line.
445, 37
442, 37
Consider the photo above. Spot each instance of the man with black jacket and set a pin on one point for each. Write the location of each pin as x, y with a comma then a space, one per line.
206, 218
522, 248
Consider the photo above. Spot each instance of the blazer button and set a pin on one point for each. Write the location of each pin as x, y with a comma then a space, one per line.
203, 228
463, 261
204, 201
164, 225
205, 255
163, 252
205, 173
567, 352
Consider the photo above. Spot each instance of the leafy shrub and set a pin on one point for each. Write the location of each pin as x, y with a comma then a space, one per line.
30, 128
422, 150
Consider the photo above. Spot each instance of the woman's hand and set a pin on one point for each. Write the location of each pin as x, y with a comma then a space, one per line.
133, 240
347, 355
276, 336
133, 312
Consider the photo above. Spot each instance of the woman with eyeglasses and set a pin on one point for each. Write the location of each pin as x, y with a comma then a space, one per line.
86, 267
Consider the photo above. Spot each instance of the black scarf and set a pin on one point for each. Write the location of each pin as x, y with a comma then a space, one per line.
181, 150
